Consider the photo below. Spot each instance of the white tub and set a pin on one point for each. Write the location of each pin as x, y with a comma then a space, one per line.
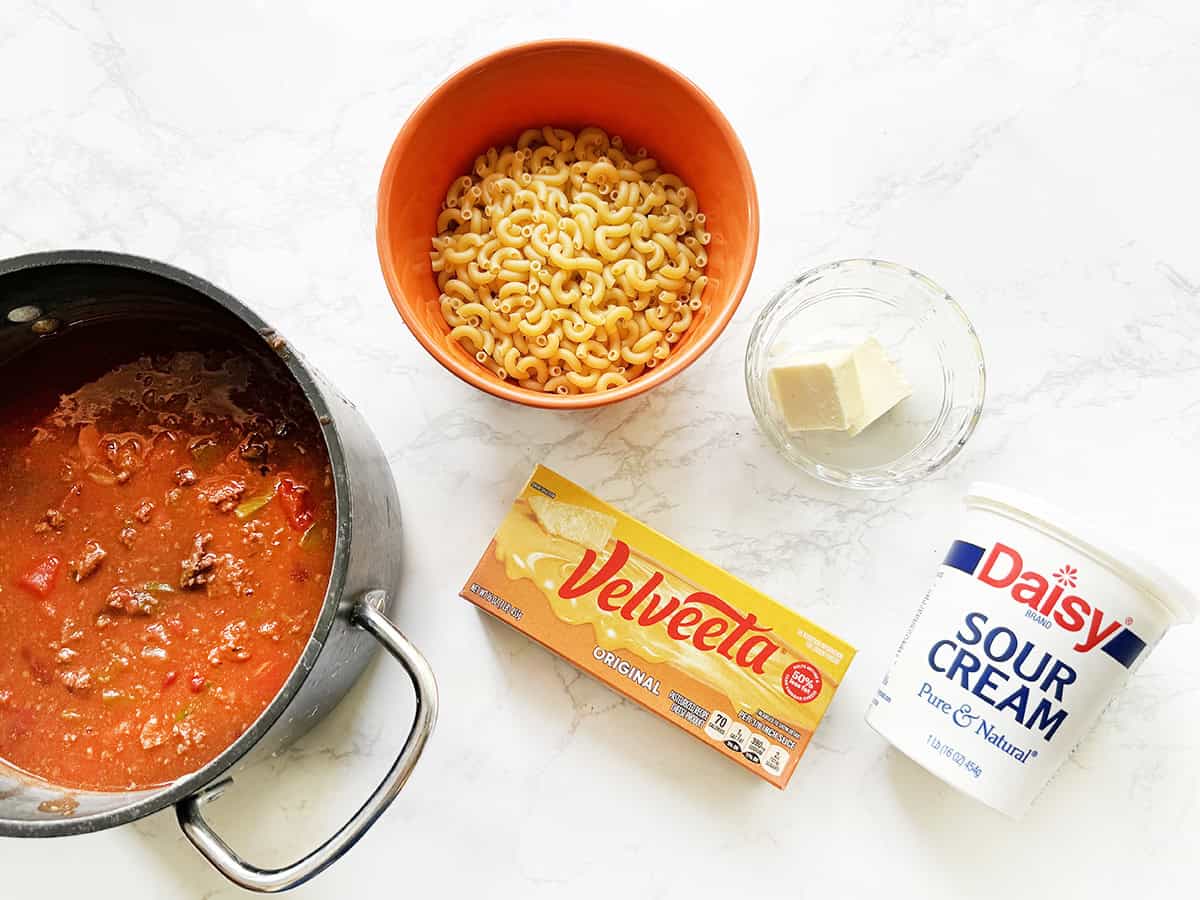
1032, 625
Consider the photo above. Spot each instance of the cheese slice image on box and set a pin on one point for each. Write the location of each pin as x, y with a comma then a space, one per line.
702, 649
584, 526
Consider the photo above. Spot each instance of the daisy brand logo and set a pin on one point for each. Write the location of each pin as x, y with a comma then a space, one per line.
1052, 600
1066, 576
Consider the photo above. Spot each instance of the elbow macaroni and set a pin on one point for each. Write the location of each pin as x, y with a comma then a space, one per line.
567, 264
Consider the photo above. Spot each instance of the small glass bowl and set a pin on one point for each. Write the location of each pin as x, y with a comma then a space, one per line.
922, 330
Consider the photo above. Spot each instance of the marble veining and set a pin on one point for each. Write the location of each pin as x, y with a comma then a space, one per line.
1037, 159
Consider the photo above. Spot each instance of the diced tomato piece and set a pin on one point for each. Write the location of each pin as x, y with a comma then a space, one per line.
196, 683
297, 503
170, 679
40, 579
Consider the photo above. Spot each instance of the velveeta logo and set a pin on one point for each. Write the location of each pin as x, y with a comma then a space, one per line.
704, 620
1050, 604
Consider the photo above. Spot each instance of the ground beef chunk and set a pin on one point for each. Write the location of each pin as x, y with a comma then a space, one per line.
233, 644
77, 681
185, 476
89, 560
224, 495
131, 601
154, 733
127, 536
198, 569
52, 520
144, 510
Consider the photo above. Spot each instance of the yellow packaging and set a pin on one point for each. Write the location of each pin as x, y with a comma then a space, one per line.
662, 626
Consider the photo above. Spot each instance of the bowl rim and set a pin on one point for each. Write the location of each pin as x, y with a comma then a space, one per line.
738, 282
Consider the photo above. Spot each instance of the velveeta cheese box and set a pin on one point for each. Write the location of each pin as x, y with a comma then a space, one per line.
707, 652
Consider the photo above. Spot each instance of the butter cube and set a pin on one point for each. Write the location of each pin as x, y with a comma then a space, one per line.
817, 391
880, 384
837, 390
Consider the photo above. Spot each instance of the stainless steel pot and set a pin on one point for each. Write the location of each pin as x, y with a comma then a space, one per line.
45, 294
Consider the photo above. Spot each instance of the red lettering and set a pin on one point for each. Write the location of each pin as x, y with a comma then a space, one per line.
1051, 600
1096, 634
1069, 611
756, 659
685, 618
1030, 589
618, 588
709, 628
653, 614
735, 635
1015, 563
573, 587
1073, 613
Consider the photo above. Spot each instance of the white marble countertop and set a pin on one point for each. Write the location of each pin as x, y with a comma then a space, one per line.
1039, 163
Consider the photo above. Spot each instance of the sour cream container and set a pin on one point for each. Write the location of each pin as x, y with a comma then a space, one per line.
1032, 625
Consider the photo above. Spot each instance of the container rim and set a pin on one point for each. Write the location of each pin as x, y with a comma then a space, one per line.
1179, 601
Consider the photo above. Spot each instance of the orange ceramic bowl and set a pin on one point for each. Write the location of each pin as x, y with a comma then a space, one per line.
570, 84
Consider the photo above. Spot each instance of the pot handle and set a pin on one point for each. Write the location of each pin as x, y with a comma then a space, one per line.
251, 877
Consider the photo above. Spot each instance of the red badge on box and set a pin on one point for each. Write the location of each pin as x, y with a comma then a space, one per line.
802, 682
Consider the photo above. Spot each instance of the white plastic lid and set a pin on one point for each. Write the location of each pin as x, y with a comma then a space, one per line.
1177, 598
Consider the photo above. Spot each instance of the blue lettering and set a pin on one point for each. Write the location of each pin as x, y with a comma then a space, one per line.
987, 682
975, 635
989, 645
1043, 721
933, 655
985, 679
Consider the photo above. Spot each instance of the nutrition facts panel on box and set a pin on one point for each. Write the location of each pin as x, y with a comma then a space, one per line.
738, 737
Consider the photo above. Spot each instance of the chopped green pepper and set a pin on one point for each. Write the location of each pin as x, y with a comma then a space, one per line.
248, 508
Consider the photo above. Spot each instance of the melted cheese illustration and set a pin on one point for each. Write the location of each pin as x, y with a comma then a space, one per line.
528, 551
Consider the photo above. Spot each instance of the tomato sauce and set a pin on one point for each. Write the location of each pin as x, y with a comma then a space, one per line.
165, 546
